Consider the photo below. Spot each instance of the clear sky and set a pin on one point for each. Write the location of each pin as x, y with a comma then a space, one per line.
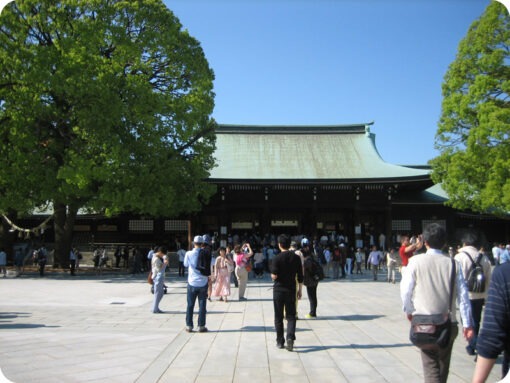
327, 62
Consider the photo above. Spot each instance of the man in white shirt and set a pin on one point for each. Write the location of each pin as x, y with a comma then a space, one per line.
466, 256
425, 290
496, 253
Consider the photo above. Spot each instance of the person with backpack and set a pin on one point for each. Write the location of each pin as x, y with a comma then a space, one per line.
313, 273
197, 286
476, 269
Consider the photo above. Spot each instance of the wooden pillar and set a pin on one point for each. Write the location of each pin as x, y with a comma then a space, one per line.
387, 225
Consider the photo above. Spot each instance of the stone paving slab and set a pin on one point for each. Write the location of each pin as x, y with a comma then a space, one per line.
100, 329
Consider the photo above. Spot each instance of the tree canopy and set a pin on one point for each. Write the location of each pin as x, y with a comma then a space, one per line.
474, 128
104, 104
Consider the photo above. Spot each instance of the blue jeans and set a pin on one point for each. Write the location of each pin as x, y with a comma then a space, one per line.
193, 293
158, 292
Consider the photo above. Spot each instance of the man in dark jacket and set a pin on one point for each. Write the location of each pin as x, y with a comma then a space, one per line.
311, 281
494, 336
286, 267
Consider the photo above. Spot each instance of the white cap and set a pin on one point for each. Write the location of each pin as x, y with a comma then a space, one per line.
198, 239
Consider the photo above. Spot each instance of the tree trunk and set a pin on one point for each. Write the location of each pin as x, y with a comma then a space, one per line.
63, 224
7, 238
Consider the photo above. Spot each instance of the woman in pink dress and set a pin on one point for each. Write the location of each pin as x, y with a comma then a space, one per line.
222, 276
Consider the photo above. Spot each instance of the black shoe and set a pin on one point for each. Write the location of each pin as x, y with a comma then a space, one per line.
290, 345
279, 345
202, 329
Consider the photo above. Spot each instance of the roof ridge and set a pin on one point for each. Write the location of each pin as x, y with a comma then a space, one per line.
351, 128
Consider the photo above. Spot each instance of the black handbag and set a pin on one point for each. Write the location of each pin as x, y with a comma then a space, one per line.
433, 332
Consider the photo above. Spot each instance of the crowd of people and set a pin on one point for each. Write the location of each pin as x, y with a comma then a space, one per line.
430, 281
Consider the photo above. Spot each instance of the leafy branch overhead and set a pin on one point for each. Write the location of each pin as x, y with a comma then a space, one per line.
474, 128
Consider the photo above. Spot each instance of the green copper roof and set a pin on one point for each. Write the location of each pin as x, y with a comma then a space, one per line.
307, 153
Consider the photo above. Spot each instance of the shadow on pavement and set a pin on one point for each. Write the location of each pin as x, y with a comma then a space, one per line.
258, 329
349, 317
12, 315
19, 326
306, 349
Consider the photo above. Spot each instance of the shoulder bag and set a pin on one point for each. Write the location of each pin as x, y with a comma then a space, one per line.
432, 332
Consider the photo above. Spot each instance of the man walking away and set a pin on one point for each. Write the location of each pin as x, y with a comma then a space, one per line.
197, 287
285, 268
495, 332
425, 290
311, 281
467, 256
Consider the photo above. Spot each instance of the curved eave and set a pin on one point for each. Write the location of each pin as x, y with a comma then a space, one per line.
391, 180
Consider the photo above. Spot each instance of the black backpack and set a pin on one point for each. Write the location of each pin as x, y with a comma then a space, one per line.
318, 272
204, 262
475, 278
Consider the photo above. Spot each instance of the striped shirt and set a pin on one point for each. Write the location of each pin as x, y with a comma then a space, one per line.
494, 334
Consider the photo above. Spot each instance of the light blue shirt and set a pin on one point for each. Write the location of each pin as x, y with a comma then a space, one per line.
195, 279
504, 256
375, 258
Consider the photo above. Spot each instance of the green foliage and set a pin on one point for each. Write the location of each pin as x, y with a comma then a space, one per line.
474, 128
104, 104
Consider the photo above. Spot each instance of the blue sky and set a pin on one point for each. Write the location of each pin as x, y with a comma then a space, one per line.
326, 62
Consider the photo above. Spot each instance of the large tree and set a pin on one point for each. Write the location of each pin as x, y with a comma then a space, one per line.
474, 128
104, 104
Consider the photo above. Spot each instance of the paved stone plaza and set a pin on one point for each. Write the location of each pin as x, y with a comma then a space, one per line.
99, 329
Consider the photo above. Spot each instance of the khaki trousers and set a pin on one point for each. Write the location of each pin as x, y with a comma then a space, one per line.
242, 277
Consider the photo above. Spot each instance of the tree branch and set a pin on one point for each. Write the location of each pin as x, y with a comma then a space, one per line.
181, 148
